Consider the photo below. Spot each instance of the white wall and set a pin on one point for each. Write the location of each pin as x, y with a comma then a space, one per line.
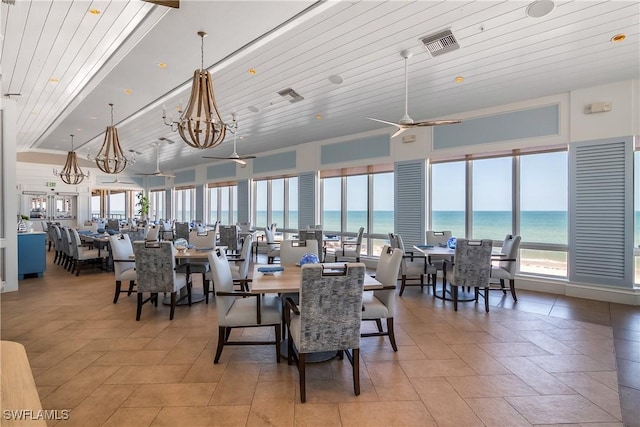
9, 241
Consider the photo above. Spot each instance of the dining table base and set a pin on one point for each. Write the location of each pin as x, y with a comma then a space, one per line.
196, 296
321, 356
447, 295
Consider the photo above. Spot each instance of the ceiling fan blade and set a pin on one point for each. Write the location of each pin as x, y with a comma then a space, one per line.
216, 158
148, 174
437, 122
239, 161
398, 132
167, 3
385, 122
246, 157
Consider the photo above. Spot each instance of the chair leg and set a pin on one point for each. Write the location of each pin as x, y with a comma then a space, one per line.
222, 334
131, 285
118, 285
289, 349
403, 283
392, 336
173, 305
205, 285
278, 339
356, 371
379, 324
302, 362
512, 285
139, 309
504, 290
454, 288
486, 299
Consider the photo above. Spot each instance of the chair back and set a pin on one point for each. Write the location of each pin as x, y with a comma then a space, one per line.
101, 224
245, 227
153, 232
359, 239
387, 274
113, 224
292, 250
121, 250
223, 279
472, 265
155, 266
57, 238
66, 241
245, 254
437, 237
330, 308
395, 241
229, 237
45, 226
74, 242
207, 239
51, 234
182, 231
135, 234
510, 248
315, 234
268, 234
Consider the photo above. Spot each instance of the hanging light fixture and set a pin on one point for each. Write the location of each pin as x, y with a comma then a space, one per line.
71, 173
200, 124
111, 158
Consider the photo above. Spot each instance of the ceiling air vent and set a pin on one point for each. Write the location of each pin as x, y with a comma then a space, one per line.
291, 95
9, 1
440, 43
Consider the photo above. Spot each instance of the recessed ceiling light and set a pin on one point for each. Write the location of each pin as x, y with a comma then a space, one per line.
35, 113
79, 129
162, 65
94, 11
53, 80
241, 137
618, 38
128, 91
336, 79
540, 8
253, 109
252, 71
319, 116
94, 118
459, 79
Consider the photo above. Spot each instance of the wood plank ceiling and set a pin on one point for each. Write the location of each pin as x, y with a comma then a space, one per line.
505, 56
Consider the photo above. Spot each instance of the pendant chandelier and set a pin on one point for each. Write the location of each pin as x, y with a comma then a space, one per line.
71, 173
200, 124
111, 158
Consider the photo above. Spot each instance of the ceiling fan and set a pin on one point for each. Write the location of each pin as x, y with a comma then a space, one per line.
158, 172
407, 122
117, 181
234, 156
167, 3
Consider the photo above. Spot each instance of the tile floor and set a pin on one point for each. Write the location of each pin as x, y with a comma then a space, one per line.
547, 360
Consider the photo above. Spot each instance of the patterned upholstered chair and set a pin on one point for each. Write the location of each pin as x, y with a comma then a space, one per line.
135, 234
113, 224
83, 254
182, 231
350, 248
327, 318
381, 304
123, 266
314, 234
273, 248
471, 268
505, 268
241, 309
156, 273
292, 250
230, 237
414, 266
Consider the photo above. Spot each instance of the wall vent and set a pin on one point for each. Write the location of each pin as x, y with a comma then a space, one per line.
291, 95
9, 1
440, 43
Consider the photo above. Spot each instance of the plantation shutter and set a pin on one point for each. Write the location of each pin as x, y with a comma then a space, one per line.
409, 203
601, 212
243, 201
306, 199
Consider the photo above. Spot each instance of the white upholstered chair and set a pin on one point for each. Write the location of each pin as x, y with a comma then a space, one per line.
505, 267
123, 266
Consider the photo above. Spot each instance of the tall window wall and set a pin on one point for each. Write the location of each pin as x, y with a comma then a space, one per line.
523, 195
219, 201
636, 214
356, 200
184, 207
275, 200
157, 205
117, 204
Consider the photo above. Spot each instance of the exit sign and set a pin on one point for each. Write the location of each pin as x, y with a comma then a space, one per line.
51, 184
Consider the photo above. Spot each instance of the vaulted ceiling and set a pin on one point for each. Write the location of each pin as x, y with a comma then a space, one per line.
67, 64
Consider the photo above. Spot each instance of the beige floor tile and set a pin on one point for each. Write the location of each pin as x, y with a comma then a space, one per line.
45, 390
270, 391
334, 391
537, 378
154, 374
278, 372
495, 411
237, 385
490, 386
236, 415
403, 353
479, 360
58, 353
132, 357
385, 414
593, 390
558, 409
513, 349
460, 337
435, 368
186, 351
445, 405
167, 339
203, 370
568, 363
601, 350
577, 334
272, 413
115, 344
608, 378
549, 344
74, 391
96, 409
317, 415
152, 395
132, 417
62, 372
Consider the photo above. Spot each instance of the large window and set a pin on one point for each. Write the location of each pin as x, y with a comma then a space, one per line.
359, 200
117, 205
276, 201
636, 216
157, 205
540, 184
96, 205
219, 200
185, 204
261, 207
292, 209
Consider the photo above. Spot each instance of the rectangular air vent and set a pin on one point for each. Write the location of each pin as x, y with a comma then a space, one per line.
9, 1
440, 43
291, 95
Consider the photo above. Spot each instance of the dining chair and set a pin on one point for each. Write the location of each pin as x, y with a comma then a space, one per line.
67, 255
136, 233
230, 237
181, 231
273, 248
414, 266
57, 244
239, 269
327, 318
350, 248
123, 266
156, 273
238, 309
381, 303
166, 230
153, 233
113, 225
292, 250
471, 268
314, 234
437, 238
83, 254
505, 268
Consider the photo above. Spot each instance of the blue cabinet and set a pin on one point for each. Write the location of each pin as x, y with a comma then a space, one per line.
32, 257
